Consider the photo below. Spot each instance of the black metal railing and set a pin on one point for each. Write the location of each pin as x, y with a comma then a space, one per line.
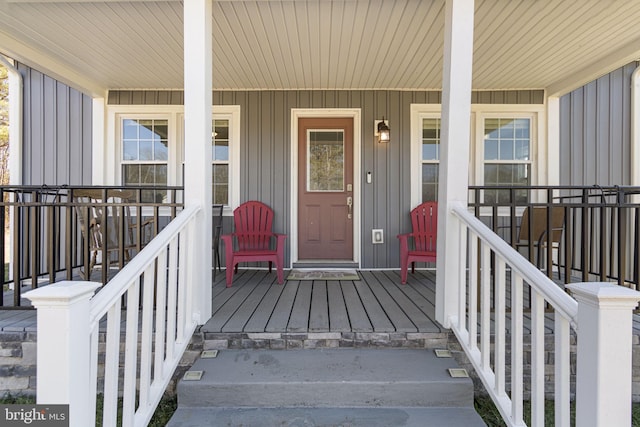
593, 231
54, 233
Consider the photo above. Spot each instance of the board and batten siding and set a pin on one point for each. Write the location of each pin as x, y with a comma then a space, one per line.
57, 127
265, 166
595, 127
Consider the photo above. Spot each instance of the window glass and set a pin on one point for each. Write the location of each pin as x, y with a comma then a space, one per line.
145, 151
220, 161
507, 158
325, 154
430, 158
430, 182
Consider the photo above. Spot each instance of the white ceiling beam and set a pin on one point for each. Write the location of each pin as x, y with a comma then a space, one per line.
44, 63
130, 1
602, 66
81, 1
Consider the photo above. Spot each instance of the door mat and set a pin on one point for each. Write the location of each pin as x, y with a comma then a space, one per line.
323, 275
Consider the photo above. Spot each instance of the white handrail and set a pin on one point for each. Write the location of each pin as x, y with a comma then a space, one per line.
159, 325
494, 376
601, 317
118, 285
560, 300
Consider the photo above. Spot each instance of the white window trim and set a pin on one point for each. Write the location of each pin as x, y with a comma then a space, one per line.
175, 115
426, 111
539, 149
232, 113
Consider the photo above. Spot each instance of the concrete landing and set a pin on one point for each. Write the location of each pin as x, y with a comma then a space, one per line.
326, 387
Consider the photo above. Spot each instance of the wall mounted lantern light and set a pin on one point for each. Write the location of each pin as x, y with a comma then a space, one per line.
384, 133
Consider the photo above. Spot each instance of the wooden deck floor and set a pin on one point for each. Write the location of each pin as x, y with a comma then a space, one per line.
257, 304
375, 303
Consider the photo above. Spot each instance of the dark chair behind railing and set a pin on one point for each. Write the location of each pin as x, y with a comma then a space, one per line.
600, 228
47, 242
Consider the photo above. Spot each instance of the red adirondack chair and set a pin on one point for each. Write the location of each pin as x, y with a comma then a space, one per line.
420, 244
253, 239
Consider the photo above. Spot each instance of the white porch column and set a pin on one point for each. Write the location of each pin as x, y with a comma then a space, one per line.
197, 153
15, 121
635, 130
552, 171
604, 366
63, 351
98, 122
454, 156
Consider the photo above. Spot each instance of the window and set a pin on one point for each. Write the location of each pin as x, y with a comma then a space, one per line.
220, 162
507, 148
149, 140
507, 158
430, 158
325, 154
145, 152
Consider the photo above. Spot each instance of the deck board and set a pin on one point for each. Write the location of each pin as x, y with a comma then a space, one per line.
338, 317
392, 311
379, 319
264, 310
280, 318
419, 320
377, 303
357, 314
319, 315
19, 320
299, 320
230, 306
241, 316
422, 303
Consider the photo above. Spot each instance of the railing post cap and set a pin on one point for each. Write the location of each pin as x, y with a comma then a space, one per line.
62, 293
604, 293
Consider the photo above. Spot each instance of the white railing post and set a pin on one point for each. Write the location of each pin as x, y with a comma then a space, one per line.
63, 347
604, 366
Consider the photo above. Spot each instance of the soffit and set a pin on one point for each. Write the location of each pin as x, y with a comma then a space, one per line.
321, 44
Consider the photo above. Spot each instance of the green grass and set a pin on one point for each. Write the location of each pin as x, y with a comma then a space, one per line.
160, 418
489, 413
484, 406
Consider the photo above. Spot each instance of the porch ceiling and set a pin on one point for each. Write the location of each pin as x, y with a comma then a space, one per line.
321, 44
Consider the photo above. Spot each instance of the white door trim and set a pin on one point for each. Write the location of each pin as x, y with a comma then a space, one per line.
353, 113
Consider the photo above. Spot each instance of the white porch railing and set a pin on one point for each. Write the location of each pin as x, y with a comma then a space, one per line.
602, 320
157, 329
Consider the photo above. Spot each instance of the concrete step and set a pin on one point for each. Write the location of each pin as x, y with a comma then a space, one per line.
334, 417
322, 387
326, 378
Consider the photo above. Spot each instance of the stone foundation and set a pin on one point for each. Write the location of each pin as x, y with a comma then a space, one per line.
18, 353
17, 363
308, 340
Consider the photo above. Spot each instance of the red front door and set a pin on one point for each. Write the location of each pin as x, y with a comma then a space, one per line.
325, 189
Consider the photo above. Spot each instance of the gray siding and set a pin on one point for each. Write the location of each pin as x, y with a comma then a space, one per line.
265, 150
595, 124
56, 132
